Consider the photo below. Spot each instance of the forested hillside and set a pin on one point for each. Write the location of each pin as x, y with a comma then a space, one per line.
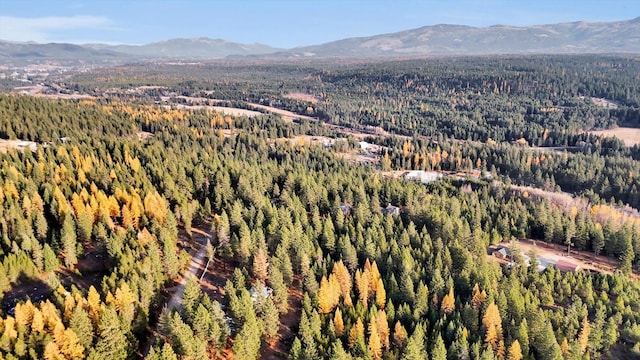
102, 217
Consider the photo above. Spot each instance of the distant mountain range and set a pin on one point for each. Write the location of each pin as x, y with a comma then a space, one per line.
564, 38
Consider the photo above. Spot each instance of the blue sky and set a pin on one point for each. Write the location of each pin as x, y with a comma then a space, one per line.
283, 23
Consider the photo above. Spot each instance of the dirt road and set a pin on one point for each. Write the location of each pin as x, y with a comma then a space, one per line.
195, 268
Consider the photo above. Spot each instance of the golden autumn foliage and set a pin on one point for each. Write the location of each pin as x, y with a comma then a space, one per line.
363, 278
478, 297
448, 302
156, 206
381, 294
515, 351
375, 347
356, 332
328, 294
338, 323
344, 280
399, 335
583, 336
383, 328
493, 324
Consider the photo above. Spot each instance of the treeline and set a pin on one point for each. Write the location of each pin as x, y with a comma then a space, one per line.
600, 171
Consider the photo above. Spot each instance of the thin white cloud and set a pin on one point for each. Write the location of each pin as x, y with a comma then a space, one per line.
42, 29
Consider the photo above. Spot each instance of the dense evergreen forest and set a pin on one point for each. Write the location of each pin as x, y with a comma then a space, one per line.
130, 182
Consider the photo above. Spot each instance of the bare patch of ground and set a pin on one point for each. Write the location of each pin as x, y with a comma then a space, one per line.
143, 135
310, 140
584, 259
221, 109
20, 145
393, 174
90, 270
35, 290
366, 159
630, 136
286, 115
302, 96
554, 252
562, 199
279, 346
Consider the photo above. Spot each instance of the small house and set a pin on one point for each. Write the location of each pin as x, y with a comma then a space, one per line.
346, 209
260, 292
567, 266
502, 252
391, 210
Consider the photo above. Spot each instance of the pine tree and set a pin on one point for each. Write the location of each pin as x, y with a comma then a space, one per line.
40, 226
68, 238
260, 265
270, 318
112, 342
80, 323
85, 226
280, 291
247, 342
438, 351
168, 353
415, 348
51, 262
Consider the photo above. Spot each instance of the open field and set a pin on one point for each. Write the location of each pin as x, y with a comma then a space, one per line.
310, 140
630, 136
20, 145
586, 260
221, 109
286, 115
302, 96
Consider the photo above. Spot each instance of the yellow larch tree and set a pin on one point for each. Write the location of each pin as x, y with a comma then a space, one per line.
94, 304
362, 283
356, 332
338, 323
24, 313
37, 325
344, 280
399, 335
381, 294
478, 297
583, 337
493, 323
448, 303
374, 277
515, 351
328, 294
375, 347
383, 328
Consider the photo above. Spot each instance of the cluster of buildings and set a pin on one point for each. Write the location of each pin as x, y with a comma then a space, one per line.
505, 254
